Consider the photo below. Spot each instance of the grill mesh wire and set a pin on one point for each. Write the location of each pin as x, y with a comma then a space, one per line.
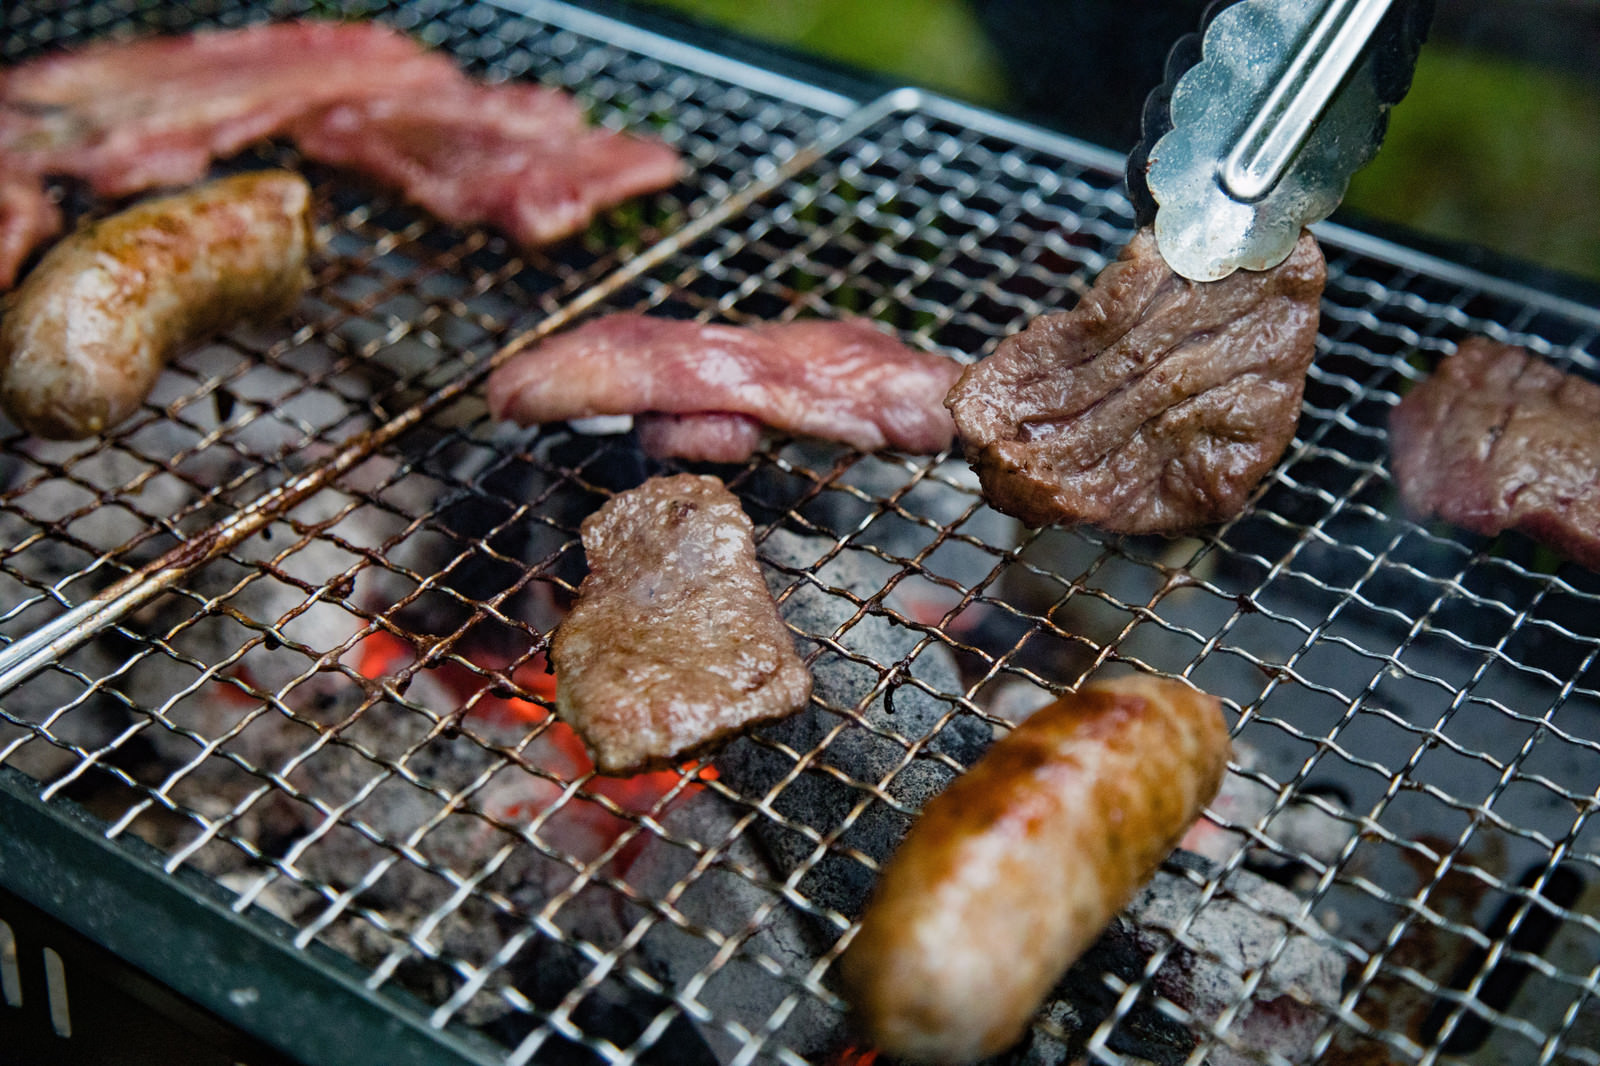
1433, 693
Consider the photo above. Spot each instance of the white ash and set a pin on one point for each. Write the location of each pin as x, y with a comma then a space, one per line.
137, 490
1248, 921
407, 876
727, 898
308, 578
1014, 699
1249, 925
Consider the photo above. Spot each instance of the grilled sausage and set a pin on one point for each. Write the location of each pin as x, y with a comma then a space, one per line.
91, 327
1013, 871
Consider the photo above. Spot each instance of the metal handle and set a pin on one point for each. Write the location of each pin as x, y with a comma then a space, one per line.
1253, 167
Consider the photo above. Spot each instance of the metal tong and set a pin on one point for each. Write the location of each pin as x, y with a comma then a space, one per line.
1261, 121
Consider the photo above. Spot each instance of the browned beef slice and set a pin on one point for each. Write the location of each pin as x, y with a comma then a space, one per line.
1499, 439
1155, 405
674, 640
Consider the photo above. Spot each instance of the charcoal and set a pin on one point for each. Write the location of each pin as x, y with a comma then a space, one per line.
1233, 933
1083, 999
1237, 932
874, 735
730, 898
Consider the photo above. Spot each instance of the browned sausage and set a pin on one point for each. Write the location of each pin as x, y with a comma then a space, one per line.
91, 327
1016, 868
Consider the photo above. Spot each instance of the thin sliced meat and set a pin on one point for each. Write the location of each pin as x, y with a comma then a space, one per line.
1155, 405
708, 438
674, 641
838, 380
1499, 439
129, 116
28, 218
519, 157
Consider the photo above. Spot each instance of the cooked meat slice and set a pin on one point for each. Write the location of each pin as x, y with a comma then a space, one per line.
674, 641
519, 157
1498, 439
840, 380
1155, 405
128, 116
27, 219
707, 438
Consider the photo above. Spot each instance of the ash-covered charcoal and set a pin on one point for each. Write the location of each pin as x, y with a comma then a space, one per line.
861, 743
737, 898
121, 505
1084, 998
1235, 933
486, 839
1312, 826
1231, 935
1155, 405
1499, 439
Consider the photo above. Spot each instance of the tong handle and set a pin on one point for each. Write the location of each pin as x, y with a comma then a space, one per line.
1260, 121
1278, 130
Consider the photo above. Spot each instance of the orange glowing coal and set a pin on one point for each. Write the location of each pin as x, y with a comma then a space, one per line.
588, 826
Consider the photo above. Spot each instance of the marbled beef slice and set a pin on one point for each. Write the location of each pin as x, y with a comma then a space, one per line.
1499, 439
674, 641
1155, 405
704, 390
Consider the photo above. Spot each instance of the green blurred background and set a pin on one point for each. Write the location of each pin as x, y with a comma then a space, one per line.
1497, 145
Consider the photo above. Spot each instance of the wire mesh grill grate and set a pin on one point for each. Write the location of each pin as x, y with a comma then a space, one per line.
343, 716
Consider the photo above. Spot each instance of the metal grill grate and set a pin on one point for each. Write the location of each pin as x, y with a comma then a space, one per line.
333, 706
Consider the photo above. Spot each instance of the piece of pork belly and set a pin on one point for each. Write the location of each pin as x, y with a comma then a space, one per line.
674, 641
1155, 405
518, 156
1496, 439
839, 380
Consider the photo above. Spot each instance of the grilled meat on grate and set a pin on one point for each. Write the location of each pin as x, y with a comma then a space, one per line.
92, 327
394, 813
127, 117
674, 641
132, 116
1013, 871
1499, 439
518, 157
838, 380
1155, 405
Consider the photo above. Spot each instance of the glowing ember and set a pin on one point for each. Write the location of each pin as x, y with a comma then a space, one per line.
582, 826
928, 606
235, 687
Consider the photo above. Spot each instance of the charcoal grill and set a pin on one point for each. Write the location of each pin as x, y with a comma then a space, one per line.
272, 730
